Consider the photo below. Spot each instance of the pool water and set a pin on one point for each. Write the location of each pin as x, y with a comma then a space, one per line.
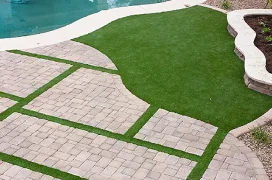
38, 16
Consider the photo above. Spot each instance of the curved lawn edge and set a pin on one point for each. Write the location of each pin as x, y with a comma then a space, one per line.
242, 97
90, 24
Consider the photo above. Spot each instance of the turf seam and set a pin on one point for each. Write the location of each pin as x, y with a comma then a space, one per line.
56, 173
208, 155
137, 126
37, 93
11, 96
65, 61
109, 134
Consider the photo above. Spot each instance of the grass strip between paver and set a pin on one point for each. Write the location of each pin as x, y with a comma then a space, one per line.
137, 126
197, 172
37, 167
207, 156
38, 92
109, 134
10, 96
59, 60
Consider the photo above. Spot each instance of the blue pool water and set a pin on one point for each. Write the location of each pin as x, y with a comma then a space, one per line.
38, 16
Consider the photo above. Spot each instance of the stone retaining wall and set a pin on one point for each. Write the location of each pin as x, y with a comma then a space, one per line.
251, 84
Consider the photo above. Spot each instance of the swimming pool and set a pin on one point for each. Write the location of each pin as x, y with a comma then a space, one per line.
38, 16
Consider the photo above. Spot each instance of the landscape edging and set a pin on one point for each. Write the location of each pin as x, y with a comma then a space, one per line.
261, 121
251, 156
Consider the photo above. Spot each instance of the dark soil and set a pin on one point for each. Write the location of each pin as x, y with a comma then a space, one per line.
260, 42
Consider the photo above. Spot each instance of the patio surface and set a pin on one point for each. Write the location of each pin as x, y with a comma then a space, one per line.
63, 121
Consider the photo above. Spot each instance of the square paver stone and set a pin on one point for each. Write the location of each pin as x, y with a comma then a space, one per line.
5, 103
22, 75
177, 131
92, 97
13, 172
86, 154
76, 52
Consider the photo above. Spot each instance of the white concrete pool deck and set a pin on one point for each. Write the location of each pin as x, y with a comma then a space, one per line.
90, 23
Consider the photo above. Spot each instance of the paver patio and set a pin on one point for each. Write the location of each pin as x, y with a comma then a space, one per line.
100, 99
86, 154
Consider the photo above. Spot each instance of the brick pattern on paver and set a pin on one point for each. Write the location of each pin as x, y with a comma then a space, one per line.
5, 103
76, 52
177, 131
86, 154
235, 161
92, 97
22, 75
13, 172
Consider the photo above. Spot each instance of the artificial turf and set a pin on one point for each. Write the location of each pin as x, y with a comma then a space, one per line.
138, 125
182, 61
65, 61
37, 167
10, 96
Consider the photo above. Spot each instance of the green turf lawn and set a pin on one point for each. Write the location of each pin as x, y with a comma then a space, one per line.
182, 61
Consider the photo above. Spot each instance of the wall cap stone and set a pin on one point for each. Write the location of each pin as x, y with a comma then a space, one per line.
255, 61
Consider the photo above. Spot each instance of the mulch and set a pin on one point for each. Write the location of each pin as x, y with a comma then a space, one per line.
260, 42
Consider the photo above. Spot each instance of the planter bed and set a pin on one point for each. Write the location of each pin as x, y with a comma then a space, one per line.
250, 47
260, 42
